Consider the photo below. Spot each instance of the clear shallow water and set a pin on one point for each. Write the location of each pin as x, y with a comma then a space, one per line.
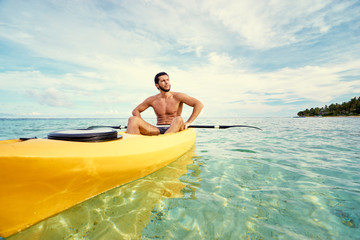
297, 179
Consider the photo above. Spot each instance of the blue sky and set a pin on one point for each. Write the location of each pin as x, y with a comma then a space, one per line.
261, 58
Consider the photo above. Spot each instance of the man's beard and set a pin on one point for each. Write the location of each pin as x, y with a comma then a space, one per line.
163, 89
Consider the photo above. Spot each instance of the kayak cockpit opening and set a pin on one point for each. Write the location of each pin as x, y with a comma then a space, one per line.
85, 135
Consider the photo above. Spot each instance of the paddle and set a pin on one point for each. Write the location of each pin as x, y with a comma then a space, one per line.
191, 126
114, 127
221, 126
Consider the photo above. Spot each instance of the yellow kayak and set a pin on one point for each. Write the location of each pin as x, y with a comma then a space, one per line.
42, 177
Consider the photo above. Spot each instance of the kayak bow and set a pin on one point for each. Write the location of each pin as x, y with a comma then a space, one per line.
43, 177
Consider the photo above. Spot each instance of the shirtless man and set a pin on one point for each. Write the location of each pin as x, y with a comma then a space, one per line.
167, 106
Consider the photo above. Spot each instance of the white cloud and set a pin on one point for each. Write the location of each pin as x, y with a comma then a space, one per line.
50, 97
266, 24
112, 112
32, 114
220, 60
242, 89
89, 34
116, 47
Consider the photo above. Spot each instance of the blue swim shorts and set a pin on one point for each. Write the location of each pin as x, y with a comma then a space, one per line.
163, 128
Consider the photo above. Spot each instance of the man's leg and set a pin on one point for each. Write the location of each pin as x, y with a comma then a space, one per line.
137, 125
176, 125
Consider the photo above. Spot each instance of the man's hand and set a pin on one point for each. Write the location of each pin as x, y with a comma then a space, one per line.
186, 125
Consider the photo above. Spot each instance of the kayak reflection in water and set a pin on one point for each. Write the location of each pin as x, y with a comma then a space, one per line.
167, 106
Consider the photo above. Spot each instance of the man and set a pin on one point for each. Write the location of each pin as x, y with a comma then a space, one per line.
167, 106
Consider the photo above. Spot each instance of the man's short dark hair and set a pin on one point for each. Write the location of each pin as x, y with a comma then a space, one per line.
156, 79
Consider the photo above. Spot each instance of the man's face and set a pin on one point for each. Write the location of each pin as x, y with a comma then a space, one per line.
164, 83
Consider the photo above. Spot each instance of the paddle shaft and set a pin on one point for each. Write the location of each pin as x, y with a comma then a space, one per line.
191, 126
221, 126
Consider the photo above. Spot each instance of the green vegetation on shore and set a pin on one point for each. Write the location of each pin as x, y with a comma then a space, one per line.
351, 108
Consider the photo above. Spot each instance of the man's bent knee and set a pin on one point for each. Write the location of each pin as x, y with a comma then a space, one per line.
133, 125
178, 120
133, 120
177, 125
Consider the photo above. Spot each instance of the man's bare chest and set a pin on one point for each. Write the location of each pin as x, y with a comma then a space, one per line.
166, 106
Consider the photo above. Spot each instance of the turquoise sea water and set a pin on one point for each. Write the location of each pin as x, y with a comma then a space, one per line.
297, 179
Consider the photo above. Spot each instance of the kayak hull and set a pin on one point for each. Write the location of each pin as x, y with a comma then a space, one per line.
42, 177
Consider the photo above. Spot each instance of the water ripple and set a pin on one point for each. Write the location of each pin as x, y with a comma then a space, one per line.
296, 179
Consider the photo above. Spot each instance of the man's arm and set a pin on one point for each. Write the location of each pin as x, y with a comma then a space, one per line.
192, 102
142, 107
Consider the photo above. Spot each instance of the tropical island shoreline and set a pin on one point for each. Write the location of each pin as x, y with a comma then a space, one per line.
353, 116
346, 109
